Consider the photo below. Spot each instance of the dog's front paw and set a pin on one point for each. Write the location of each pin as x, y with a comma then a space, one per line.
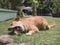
28, 34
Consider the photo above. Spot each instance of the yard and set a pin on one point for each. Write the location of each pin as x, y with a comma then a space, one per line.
48, 37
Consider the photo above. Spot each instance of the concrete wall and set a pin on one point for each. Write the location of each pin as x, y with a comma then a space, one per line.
6, 14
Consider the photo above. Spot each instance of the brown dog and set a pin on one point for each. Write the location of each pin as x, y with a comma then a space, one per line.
29, 25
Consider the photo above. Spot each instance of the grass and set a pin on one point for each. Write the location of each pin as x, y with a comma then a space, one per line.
49, 37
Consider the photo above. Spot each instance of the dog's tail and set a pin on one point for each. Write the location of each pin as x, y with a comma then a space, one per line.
51, 26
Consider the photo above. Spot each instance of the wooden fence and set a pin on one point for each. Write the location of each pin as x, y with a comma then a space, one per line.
6, 14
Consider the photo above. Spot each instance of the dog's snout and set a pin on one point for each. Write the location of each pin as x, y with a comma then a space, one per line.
10, 29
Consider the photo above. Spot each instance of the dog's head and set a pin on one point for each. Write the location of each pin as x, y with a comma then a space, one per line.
16, 26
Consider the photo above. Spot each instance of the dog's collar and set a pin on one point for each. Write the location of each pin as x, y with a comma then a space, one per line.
23, 27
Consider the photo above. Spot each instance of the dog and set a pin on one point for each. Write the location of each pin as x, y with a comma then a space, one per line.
29, 25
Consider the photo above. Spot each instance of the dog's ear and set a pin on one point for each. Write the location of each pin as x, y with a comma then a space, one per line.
17, 19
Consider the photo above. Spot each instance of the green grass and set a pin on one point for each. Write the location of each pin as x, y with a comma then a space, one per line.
49, 37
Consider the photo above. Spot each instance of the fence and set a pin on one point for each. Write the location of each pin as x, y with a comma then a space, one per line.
6, 14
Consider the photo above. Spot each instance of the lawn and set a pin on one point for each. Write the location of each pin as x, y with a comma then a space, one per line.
49, 37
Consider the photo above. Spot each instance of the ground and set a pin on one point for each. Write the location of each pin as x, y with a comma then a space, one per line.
48, 37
